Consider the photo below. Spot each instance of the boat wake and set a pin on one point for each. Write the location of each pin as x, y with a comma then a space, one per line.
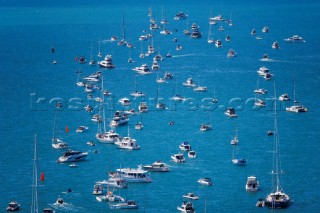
185, 55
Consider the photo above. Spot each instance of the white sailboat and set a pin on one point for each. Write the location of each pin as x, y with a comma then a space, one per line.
99, 53
296, 107
123, 41
236, 160
57, 143
235, 139
206, 126
92, 61
159, 105
214, 99
277, 198
210, 38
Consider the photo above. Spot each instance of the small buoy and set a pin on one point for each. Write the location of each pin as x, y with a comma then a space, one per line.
67, 129
42, 176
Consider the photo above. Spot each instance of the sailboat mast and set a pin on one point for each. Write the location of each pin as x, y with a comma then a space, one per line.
103, 112
276, 141
34, 205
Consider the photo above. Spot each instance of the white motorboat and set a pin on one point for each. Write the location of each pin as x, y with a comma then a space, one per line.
96, 118
218, 43
137, 94
230, 112
186, 207
131, 175
185, 146
157, 166
168, 75
97, 189
231, 53
253, 32
107, 62
275, 45
200, 89
143, 107
284, 97
296, 108
130, 204
178, 47
165, 32
107, 137
252, 184
178, 158
71, 156
189, 83
295, 39
263, 70
265, 58
110, 197
191, 195
125, 101
143, 69
178, 97
260, 103
260, 91
192, 154
205, 127
119, 118
267, 76
196, 34
114, 183
180, 16
155, 65
205, 181
227, 38
160, 80
138, 126
265, 29
59, 201
13, 206
221, 28
82, 129
217, 18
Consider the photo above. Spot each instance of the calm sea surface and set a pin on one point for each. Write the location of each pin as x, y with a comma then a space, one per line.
30, 84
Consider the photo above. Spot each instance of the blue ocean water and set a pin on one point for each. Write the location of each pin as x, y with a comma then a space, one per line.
27, 75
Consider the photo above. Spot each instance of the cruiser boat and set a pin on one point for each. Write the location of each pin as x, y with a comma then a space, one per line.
180, 16
108, 137
263, 70
127, 143
157, 166
295, 39
196, 34
275, 45
131, 175
218, 43
217, 18
230, 112
189, 83
125, 101
119, 118
143, 107
178, 158
252, 184
231, 53
284, 97
130, 204
82, 129
107, 62
137, 94
186, 207
205, 181
71, 156
192, 154
143, 69
191, 195
185, 146
13, 206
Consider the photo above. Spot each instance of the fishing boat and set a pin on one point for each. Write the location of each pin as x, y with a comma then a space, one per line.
157, 166
277, 198
252, 184
186, 207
